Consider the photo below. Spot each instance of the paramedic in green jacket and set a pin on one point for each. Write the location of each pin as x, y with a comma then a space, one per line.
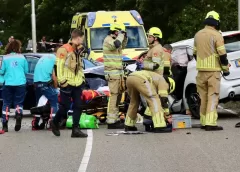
14, 68
113, 69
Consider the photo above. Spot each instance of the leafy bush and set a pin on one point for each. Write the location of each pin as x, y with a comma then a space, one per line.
2, 51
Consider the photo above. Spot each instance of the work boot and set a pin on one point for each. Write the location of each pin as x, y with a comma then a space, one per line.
203, 127
35, 124
237, 125
162, 130
5, 126
130, 128
213, 128
76, 132
62, 124
116, 125
148, 123
18, 122
55, 128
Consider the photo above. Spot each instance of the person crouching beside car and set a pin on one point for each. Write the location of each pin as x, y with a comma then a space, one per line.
45, 82
14, 68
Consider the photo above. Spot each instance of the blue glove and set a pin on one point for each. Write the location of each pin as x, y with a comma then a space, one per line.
139, 65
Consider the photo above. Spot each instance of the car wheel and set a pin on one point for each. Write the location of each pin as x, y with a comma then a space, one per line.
193, 100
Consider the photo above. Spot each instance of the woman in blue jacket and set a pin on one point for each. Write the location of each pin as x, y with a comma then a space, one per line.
14, 68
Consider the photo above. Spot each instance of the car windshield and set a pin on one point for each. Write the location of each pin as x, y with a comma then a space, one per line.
232, 43
88, 64
136, 37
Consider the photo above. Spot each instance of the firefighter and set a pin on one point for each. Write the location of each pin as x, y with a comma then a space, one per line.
167, 60
154, 59
113, 69
71, 81
147, 84
166, 85
14, 69
45, 82
211, 57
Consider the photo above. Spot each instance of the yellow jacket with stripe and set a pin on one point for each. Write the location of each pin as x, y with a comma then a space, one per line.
210, 50
154, 60
167, 63
112, 55
157, 80
69, 66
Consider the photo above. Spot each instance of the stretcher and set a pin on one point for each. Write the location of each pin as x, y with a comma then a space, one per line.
95, 103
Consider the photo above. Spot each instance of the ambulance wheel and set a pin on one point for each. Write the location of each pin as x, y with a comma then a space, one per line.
194, 101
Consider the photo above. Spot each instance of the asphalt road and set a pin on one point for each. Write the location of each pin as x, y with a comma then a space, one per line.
199, 151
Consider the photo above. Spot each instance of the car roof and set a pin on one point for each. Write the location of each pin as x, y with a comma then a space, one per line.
189, 42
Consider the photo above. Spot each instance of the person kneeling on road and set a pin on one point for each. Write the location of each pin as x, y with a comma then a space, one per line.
71, 79
145, 83
14, 69
45, 83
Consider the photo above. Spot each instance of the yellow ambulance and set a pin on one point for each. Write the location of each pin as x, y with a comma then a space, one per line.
95, 26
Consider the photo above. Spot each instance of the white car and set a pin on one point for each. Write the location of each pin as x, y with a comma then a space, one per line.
230, 85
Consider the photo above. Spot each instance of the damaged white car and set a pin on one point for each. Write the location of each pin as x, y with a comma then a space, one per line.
188, 98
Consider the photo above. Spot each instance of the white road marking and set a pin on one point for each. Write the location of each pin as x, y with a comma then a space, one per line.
87, 153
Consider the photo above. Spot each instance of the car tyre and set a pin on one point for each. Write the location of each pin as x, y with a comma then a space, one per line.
194, 101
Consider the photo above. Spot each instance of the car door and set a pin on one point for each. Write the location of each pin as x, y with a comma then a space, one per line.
30, 99
232, 45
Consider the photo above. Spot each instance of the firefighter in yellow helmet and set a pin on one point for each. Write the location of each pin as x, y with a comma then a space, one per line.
113, 44
165, 87
211, 57
147, 84
154, 59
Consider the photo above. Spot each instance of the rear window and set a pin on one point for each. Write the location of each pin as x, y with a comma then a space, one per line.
136, 37
32, 61
232, 43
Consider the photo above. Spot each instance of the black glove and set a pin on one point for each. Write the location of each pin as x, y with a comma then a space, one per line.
226, 73
125, 33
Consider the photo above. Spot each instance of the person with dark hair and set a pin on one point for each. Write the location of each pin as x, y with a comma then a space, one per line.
45, 82
14, 68
211, 57
113, 70
69, 71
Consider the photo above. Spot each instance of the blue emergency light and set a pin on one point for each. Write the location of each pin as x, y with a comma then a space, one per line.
106, 25
126, 24
137, 16
91, 18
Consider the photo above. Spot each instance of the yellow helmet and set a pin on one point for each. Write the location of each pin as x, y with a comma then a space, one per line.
155, 31
171, 85
118, 26
213, 15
